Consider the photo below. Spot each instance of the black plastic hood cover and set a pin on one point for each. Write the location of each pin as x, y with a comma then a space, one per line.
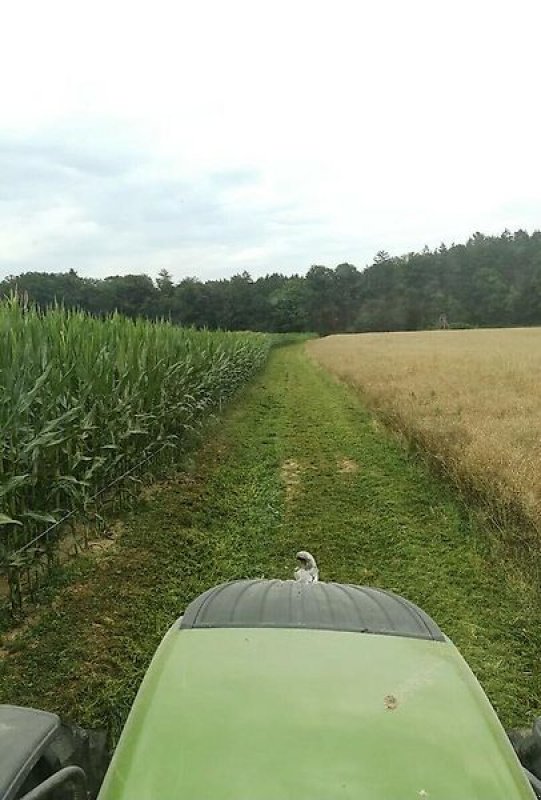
321, 606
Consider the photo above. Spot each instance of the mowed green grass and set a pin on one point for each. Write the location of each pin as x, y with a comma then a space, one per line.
296, 462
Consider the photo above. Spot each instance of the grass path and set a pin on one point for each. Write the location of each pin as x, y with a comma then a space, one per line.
295, 463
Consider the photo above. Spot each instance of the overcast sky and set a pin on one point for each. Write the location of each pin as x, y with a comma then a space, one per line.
209, 137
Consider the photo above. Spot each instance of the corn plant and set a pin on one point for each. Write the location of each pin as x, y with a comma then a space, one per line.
83, 401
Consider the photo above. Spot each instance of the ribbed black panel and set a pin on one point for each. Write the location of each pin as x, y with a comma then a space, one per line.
324, 606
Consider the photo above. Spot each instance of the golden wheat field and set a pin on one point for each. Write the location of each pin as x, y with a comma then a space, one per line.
472, 399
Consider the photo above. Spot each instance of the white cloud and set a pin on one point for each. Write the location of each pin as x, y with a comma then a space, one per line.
214, 137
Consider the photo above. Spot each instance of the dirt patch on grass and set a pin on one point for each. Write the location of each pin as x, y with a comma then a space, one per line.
8, 638
101, 546
107, 544
291, 477
347, 466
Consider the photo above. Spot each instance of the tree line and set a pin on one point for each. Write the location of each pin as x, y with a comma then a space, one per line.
489, 281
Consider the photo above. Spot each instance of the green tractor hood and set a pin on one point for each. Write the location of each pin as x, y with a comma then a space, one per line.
273, 689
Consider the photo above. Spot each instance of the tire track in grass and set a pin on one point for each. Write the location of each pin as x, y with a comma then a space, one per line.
295, 463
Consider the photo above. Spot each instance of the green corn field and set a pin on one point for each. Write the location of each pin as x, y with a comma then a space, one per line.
83, 401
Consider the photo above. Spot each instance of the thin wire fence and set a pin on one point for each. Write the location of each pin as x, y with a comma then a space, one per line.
25, 570
74, 512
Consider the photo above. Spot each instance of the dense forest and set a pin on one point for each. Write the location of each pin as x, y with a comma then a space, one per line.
489, 281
